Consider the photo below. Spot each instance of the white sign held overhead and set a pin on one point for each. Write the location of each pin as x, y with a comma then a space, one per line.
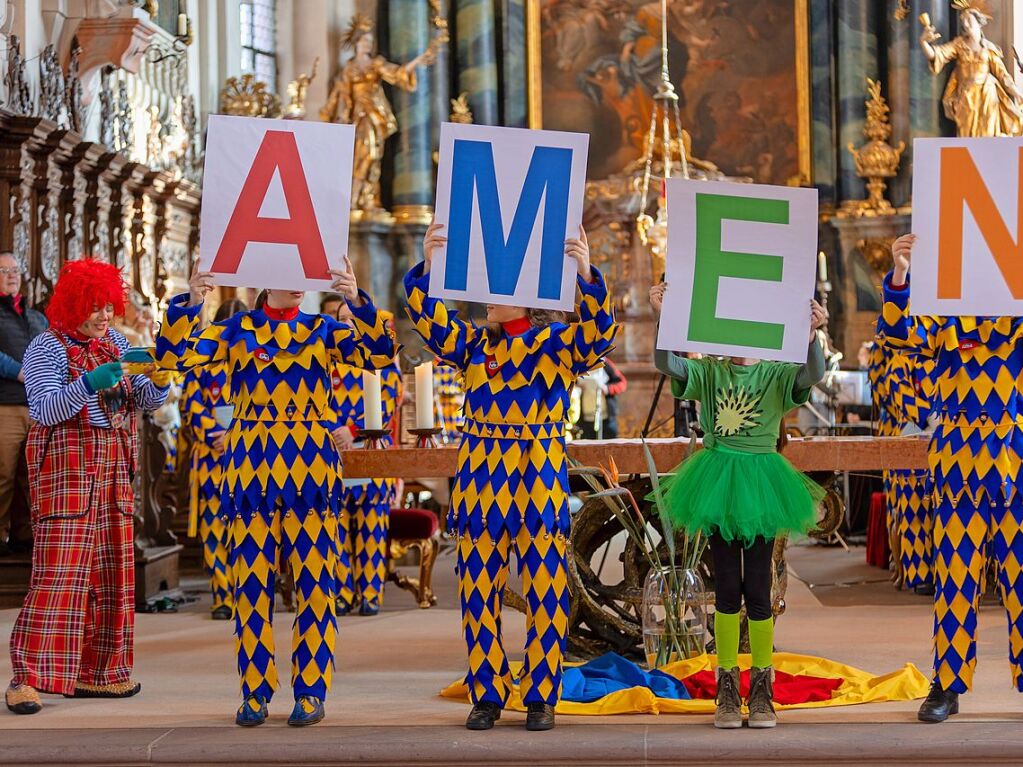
740, 269
276, 202
508, 199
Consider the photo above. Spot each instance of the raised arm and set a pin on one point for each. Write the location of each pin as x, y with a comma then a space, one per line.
368, 344
179, 346
592, 336
812, 371
895, 327
447, 336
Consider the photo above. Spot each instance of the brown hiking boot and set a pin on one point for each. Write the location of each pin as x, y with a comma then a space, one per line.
761, 695
728, 714
22, 699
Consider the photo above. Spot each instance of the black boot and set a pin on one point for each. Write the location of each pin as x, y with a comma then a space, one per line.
539, 716
939, 705
925, 589
483, 716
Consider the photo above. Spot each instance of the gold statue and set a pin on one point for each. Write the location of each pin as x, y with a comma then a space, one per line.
358, 99
297, 89
981, 97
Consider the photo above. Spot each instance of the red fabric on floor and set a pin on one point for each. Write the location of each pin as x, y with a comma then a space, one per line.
788, 689
878, 547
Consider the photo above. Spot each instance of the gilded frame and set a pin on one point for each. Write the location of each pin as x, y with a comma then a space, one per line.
804, 117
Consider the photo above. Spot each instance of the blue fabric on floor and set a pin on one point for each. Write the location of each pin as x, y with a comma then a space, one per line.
611, 673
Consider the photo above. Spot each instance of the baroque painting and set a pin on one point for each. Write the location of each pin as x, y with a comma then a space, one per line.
740, 69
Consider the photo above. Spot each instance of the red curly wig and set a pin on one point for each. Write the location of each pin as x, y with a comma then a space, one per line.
81, 288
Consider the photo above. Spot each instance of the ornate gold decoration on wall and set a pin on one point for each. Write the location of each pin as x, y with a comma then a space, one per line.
297, 90
903, 10
246, 96
876, 160
460, 112
878, 253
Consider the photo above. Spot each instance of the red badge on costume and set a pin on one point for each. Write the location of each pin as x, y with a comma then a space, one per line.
335, 380
492, 366
215, 391
968, 343
261, 354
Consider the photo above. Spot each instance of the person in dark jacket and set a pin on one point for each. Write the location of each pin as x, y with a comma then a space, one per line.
18, 326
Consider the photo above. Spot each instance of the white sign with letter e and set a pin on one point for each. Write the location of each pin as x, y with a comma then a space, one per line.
740, 269
508, 199
968, 219
276, 202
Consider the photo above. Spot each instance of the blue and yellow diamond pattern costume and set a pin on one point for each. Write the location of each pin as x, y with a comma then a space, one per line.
205, 390
449, 397
362, 526
897, 389
974, 460
511, 486
281, 487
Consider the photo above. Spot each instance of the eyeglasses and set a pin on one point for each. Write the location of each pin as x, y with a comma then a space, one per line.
9, 270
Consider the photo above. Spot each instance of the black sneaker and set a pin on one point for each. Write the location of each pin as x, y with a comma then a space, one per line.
483, 716
939, 705
539, 717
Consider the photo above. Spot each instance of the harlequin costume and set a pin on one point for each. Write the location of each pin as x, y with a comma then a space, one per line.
511, 486
281, 487
75, 632
362, 528
206, 390
742, 494
449, 397
974, 460
897, 390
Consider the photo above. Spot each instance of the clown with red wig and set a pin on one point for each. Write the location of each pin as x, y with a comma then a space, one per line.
74, 636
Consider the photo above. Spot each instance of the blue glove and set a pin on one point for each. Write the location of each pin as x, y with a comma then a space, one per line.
104, 377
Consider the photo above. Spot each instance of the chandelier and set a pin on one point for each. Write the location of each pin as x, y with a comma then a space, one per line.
664, 138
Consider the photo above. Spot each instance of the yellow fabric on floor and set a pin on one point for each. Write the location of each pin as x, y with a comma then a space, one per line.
859, 686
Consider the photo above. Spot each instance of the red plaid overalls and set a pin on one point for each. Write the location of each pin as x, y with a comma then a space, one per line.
77, 624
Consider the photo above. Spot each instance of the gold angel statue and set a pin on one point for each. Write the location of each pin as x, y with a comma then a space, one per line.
981, 97
357, 98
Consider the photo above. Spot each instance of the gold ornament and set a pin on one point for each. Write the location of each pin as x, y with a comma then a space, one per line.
877, 160
246, 96
297, 90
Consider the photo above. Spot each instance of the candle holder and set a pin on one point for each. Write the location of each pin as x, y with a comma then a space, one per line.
373, 438
426, 437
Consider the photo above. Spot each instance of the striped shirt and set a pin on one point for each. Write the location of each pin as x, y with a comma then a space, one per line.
52, 400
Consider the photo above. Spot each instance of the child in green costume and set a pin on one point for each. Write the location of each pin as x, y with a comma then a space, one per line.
742, 494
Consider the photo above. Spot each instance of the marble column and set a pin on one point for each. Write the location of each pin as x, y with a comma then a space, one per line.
513, 63
856, 60
409, 28
477, 58
822, 51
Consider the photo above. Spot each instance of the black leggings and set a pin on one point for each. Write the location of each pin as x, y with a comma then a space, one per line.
742, 572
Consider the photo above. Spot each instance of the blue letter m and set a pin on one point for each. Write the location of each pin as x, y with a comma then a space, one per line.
550, 170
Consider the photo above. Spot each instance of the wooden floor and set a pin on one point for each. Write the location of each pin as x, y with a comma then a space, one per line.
384, 707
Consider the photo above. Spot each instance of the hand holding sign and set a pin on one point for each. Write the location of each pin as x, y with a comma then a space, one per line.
818, 318
432, 240
579, 249
902, 248
345, 282
199, 284
657, 296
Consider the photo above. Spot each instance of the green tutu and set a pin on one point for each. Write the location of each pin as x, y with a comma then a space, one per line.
741, 496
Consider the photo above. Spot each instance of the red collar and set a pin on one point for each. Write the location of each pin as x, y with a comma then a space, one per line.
285, 315
517, 327
15, 301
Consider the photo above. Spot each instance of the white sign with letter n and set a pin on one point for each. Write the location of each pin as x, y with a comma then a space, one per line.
276, 202
968, 219
508, 199
740, 269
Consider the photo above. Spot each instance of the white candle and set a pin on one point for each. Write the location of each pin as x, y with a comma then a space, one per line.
182, 25
373, 418
424, 396
822, 266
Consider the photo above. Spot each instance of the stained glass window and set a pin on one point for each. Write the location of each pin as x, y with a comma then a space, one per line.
259, 40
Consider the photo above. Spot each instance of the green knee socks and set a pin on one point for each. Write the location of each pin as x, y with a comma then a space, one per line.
726, 635
761, 642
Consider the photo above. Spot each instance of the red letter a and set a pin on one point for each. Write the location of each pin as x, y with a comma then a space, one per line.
279, 151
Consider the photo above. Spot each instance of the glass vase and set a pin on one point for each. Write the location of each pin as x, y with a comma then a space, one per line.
674, 616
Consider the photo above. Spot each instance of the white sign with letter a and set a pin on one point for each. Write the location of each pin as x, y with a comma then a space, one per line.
968, 219
740, 269
508, 199
276, 202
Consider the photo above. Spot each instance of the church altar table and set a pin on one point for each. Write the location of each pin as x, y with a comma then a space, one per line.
806, 453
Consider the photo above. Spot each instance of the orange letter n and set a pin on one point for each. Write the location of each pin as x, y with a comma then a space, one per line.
279, 152
961, 186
